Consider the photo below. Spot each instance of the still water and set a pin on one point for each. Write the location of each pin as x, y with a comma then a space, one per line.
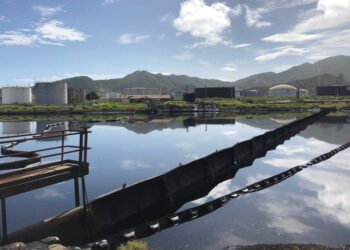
313, 206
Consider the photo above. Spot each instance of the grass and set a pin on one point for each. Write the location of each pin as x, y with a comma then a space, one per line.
133, 245
224, 104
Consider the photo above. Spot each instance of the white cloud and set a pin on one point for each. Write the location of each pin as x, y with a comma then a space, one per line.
56, 31
108, 2
328, 14
17, 38
183, 56
46, 11
281, 51
2, 18
285, 162
132, 38
289, 37
333, 198
229, 67
254, 18
50, 194
133, 164
241, 45
185, 146
319, 27
206, 22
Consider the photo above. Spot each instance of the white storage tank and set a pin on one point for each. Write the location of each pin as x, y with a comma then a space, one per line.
51, 93
13, 95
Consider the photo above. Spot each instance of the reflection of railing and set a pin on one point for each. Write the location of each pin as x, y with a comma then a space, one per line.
31, 177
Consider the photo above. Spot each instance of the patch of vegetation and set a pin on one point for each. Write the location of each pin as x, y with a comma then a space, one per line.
134, 245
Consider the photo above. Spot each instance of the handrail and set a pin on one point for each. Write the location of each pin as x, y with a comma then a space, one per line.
42, 136
40, 133
44, 149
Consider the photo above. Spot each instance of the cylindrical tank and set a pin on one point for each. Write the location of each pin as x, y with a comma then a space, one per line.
53, 93
13, 95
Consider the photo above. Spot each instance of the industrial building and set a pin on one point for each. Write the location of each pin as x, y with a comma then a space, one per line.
249, 93
16, 95
145, 94
189, 97
52, 93
333, 90
113, 95
211, 92
143, 91
285, 90
76, 95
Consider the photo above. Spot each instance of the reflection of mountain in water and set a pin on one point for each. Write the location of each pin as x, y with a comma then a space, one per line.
329, 129
9, 128
144, 127
335, 130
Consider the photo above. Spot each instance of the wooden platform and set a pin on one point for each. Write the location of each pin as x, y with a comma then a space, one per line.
25, 180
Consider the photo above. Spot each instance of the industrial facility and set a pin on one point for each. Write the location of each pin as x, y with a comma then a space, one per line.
145, 93
211, 92
76, 96
249, 93
16, 95
53, 93
333, 90
285, 90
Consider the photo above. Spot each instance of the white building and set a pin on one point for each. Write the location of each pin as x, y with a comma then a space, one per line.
283, 90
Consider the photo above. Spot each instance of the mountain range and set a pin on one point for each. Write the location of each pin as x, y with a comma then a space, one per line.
332, 70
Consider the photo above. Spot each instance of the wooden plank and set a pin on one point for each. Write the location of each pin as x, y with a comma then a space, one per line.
33, 175
32, 185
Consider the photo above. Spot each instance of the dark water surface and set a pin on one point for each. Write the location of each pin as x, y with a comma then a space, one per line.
313, 206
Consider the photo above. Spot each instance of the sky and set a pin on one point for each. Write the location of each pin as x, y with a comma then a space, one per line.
47, 40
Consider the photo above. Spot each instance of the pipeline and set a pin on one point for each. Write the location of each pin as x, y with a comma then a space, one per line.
158, 196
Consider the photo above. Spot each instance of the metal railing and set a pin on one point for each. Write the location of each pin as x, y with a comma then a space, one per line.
7, 144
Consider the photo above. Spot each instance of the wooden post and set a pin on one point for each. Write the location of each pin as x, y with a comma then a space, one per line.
3, 219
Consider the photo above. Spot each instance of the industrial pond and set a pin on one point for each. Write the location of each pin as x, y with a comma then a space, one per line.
311, 207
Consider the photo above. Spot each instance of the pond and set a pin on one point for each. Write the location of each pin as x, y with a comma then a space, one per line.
313, 206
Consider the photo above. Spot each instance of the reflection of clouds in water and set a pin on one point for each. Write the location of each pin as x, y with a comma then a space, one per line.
192, 156
133, 164
286, 215
256, 177
229, 134
185, 146
289, 150
50, 193
333, 196
285, 162
310, 146
221, 189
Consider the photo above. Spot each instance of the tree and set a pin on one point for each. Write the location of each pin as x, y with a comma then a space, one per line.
92, 95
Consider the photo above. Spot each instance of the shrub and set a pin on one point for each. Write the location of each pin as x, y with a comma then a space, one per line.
134, 245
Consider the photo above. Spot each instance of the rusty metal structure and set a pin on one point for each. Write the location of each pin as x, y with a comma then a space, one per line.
110, 215
28, 174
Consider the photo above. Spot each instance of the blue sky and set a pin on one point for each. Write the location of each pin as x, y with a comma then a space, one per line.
228, 40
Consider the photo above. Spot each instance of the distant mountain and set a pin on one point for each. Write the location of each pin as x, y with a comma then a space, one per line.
335, 66
332, 70
145, 79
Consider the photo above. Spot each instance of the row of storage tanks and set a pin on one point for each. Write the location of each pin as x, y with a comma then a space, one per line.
56, 93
